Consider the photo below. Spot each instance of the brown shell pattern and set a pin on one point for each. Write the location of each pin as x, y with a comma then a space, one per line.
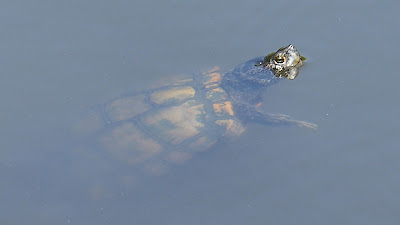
169, 124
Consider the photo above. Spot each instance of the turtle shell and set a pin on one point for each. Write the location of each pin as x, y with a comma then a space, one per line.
168, 124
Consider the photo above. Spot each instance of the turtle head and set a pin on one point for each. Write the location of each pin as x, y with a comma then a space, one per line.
285, 62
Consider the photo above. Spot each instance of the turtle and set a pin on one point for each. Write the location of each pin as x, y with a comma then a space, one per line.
155, 128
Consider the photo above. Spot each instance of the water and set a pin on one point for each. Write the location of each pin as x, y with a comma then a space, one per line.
60, 58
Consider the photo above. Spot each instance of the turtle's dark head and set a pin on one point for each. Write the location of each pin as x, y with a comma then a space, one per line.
246, 82
285, 62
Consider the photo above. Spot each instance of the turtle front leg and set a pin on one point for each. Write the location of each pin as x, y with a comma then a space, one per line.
249, 113
281, 119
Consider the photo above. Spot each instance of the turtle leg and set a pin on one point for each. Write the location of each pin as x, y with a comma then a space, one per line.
281, 119
249, 113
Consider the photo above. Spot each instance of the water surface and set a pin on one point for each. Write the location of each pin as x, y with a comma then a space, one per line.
58, 59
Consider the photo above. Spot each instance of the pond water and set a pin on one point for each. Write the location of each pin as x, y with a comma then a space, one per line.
60, 58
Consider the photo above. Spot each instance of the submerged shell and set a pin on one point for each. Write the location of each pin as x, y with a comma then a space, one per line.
146, 132
169, 124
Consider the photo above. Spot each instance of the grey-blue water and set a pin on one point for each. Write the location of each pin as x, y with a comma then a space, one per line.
59, 58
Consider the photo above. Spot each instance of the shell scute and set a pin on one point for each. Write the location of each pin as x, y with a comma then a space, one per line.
223, 108
172, 94
130, 144
125, 108
177, 123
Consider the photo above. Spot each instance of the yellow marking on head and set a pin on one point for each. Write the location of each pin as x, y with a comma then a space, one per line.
225, 107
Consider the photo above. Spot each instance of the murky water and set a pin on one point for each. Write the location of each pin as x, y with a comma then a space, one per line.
58, 59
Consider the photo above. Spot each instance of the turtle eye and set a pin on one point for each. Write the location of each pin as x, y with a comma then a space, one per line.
279, 59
